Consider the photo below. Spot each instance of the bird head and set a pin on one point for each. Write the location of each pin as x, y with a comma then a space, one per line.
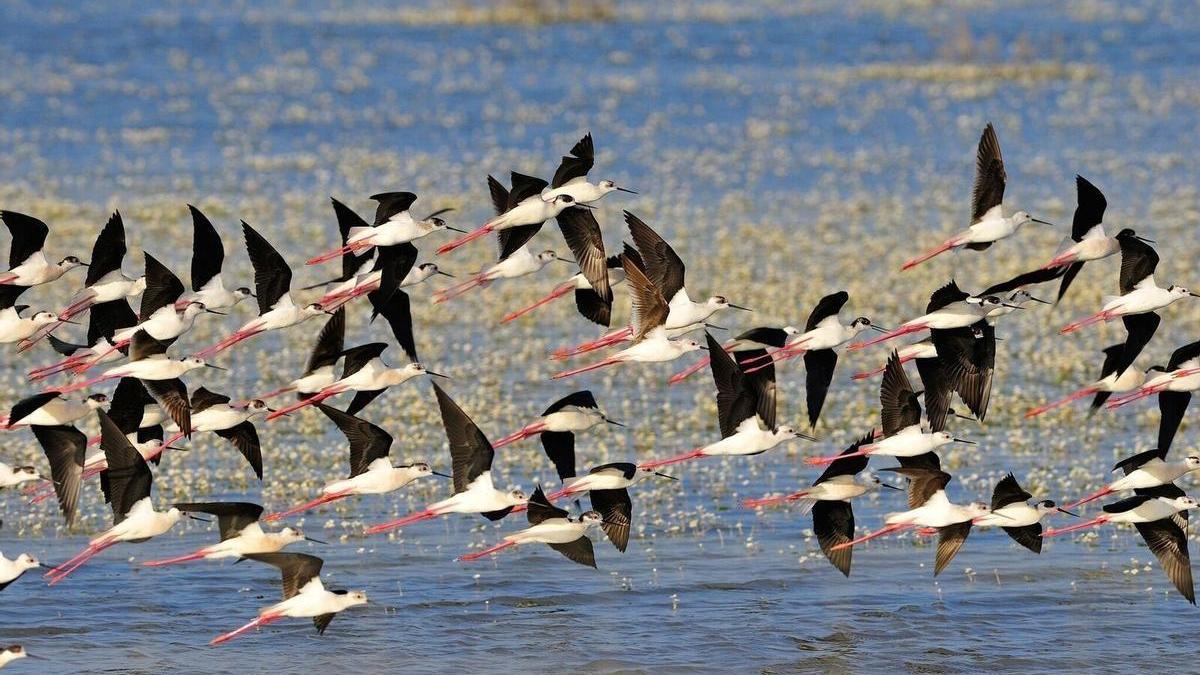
241, 293
517, 497
139, 285
313, 309
43, 318
27, 562
70, 262
96, 401
1192, 462
591, 518
1183, 503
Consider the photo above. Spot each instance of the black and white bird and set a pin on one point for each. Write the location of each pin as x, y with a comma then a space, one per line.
666, 271
1087, 241
365, 373
234, 422
988, 222
1154, 515
571, 176
241, 535
304, 596
27, 262
12, 476
371, 472
51, 408
105, 320
828, 498
471, 458
65, 448
1012, 512
1117, 373
520, 213
127, 483
394, 224
652, 342
929, 509
273, 282
571, 414
948, 307
1140, 293
1174, 384
208, 259
552, 526
105, 281
750, 347
746, 408
1148, 469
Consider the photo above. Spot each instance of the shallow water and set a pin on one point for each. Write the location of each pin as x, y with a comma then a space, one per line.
786, 151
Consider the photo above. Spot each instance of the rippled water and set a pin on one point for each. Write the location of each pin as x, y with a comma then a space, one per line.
787, 151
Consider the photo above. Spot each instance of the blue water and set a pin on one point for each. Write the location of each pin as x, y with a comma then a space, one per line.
764, 139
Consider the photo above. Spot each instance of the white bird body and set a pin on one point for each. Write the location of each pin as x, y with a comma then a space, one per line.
12, 476
1094, 246
401, 228
379, 478
315, 381
11, 653
166, 323
313, 600
993, 226
1151, 510
656, 348
1017, 514
954, 315
839, 489
225, 416
909, 442
828, 334
554, 531
606, 479
282, 314
684, 312
252, 539
14, 328
937, 511
158, 367
1154, 473
532, 210
917, 350
1127, 380
36, 270
519, 264
60, 411
581, 190
749, 439
142, 522
1146, 296
111, 286
479, 497
375, 374
214, 295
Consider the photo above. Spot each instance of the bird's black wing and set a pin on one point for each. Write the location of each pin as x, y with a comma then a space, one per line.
582, 234
578, 399
579, 551
272, 276
470, 452
969, 361
368, 442
65, 448
397, 311
848, 466
1139, 329
664, 268
347, 220
900, 407
617, 510
540, 509
1138, 261
1022, 280
232, 517
1090, 210
297, 569
1184, 354
28, 405
735, 402
163, 288
28, 236
127, 480
511, 239
499, 195
203, 399
826, 307
1008, 491
108, 251
208, 253
950, 540
990, 177
173, 397
355, 358
577, 164
390, 204
1171, 407
944, 296
1168, 542
244, 437
330, 341
107, 318
833, 523
819, 365
560, 449
524, 187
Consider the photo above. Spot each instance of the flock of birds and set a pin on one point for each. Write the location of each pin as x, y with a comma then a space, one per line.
151, 410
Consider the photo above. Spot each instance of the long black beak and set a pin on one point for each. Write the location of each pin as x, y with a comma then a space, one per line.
961, 416
1062, 510
713, 326
878, 329
45, 566
1011, 306
664, 475
1143, 239
1194, 295
963, 440
209, 365
566, 260
445, 274
1041, 222
73, 323
704, 349
85, 264
213, 311
614, 423
433, 374
1040, 300
178, 449
632, 192
455, 229
994, 513
315, 541
744, 309
890, 486
203, 520
586, 206
443, 475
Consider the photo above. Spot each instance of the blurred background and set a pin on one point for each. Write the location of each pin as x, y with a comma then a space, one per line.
786, 149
